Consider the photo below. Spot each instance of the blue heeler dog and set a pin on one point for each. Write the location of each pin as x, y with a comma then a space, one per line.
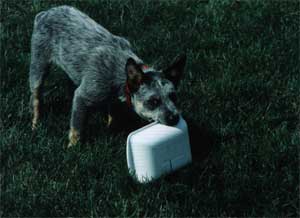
102, 66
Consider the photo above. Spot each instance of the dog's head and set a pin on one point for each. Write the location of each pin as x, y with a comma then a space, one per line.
152, 93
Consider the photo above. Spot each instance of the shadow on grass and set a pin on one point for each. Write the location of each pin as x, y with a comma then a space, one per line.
201, 140
125, 120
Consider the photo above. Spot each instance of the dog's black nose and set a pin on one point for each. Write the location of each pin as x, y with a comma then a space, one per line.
172, 119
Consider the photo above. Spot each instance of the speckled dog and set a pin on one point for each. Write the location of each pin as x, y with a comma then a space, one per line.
102, 66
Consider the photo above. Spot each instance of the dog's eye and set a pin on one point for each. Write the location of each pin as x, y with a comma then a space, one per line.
154, 102
173, 97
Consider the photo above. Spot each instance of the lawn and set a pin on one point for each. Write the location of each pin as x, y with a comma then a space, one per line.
240, 96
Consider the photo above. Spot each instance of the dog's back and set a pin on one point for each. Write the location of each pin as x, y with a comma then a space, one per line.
74, 41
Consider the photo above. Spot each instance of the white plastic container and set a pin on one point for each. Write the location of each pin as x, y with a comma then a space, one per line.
157, 149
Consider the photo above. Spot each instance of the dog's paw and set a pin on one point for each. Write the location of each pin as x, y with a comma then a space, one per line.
34, 123
33, 126
74, 137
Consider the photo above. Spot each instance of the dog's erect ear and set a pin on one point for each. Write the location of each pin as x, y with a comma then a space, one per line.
175, 70
134, 75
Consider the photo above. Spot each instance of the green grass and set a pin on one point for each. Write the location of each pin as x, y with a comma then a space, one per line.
240, 95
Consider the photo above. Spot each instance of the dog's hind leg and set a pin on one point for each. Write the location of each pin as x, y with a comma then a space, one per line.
37, 76
39, 68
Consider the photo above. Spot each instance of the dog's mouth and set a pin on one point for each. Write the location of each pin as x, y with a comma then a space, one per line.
173, 122
170, 120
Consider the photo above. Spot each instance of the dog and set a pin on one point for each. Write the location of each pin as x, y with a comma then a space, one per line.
103, 67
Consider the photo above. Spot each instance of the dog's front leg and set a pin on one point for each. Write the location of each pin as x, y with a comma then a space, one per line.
78, 118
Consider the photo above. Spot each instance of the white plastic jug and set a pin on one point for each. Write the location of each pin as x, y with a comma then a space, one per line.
158, 149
